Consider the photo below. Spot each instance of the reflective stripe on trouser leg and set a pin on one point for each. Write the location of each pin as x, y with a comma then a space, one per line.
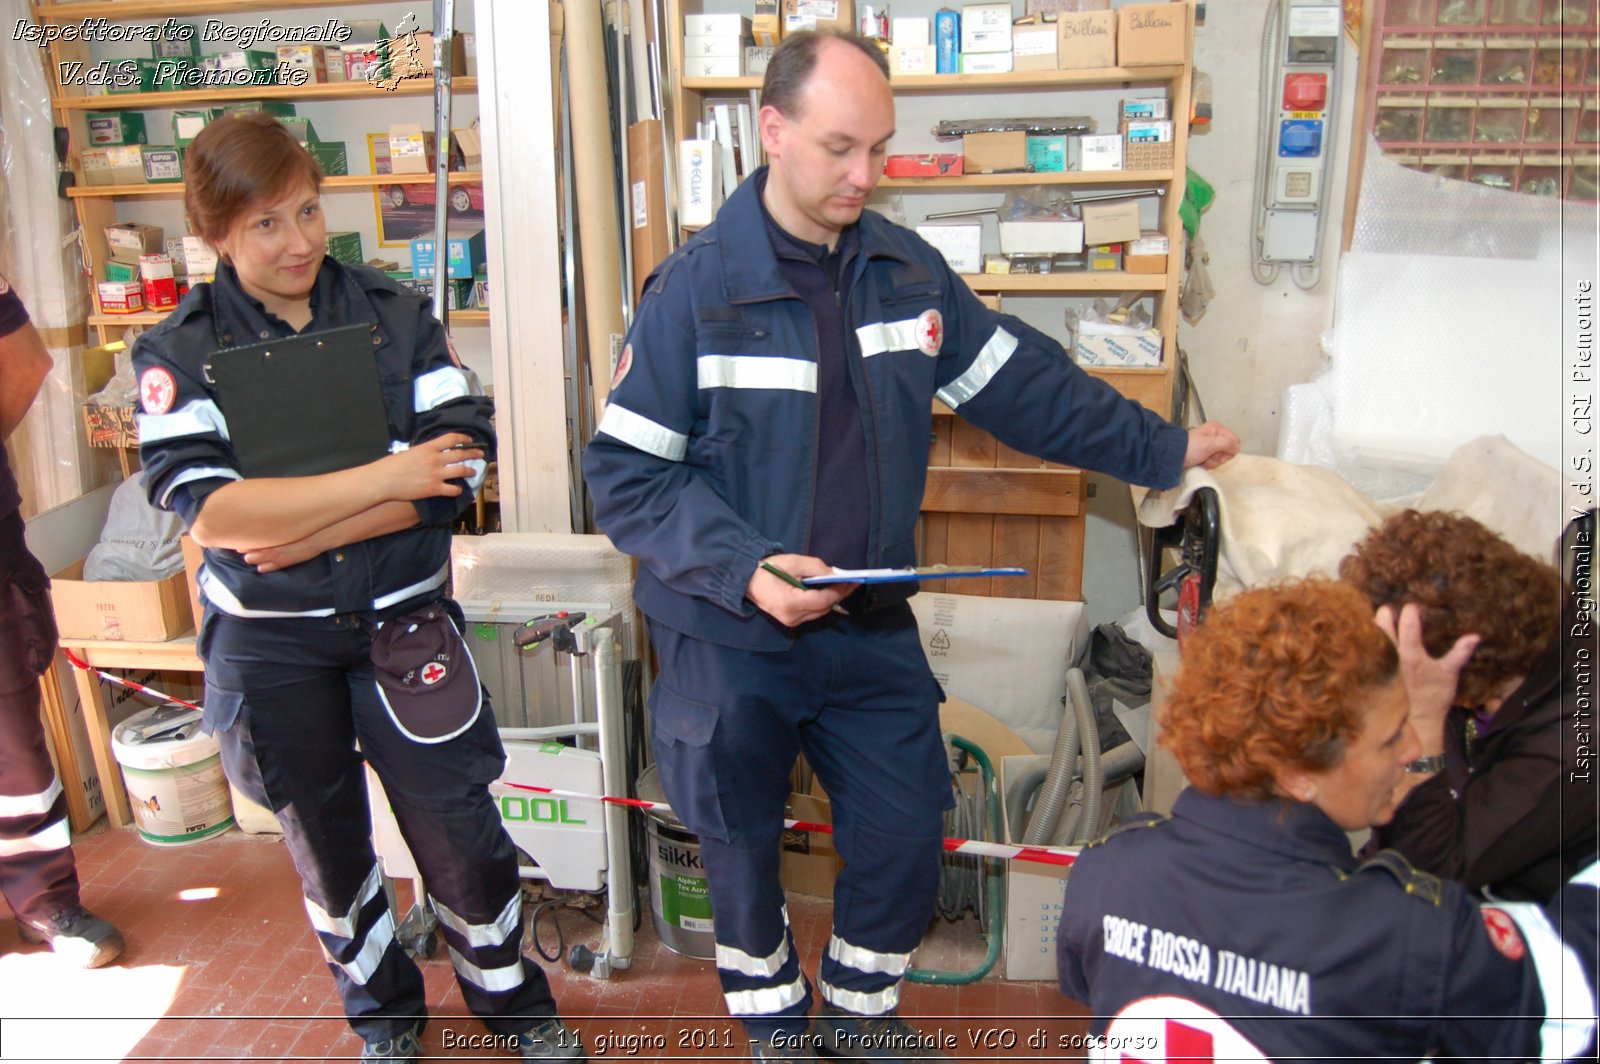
757, 963
37, 874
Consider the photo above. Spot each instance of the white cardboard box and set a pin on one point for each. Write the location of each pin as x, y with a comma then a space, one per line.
716, 26
1034, 900
1136, 351
961, 245
986, 28
713, 66
1042, 238
1098, 151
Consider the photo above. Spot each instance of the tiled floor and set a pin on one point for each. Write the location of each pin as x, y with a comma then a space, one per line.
221, 965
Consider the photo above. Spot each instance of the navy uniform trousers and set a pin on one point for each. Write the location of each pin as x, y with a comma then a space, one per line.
856, 696
293, 697
37, 873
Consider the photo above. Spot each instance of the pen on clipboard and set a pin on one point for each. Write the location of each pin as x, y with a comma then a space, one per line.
794, 581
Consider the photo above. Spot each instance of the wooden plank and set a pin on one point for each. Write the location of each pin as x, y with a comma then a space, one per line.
971, 543
1016, 542
1061, 557
1026, 492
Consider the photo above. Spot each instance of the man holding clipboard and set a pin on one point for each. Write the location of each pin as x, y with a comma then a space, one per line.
770, 421
312, 426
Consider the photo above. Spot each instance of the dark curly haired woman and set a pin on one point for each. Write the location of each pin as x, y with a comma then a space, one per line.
1491, 803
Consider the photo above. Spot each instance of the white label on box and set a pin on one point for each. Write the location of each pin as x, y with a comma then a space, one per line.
827, 10
1155, 107
1101, 151
1156, 132
697, 183
1155, 244
961, 245
986, 62
641, 208
1314, 21
1031, 41
912, 59
200, 257
1138, 350
188, 127
912, 32
162, 165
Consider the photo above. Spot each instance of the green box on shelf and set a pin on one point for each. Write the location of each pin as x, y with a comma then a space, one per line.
163, 164
132, 75
116, 127
1047, 155
246, 59
301, 127
186, 125
345, 247
331, 156
176, 40
175, 74
463, 256
121, 271
271, 107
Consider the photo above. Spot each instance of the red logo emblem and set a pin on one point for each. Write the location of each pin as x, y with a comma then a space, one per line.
157, 390
624, 364
433, 672
930, 332
1503, 933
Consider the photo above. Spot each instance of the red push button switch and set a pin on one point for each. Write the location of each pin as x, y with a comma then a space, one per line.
1305, 92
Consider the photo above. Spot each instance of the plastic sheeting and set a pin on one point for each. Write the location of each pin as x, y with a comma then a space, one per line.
39, 255
1448, 327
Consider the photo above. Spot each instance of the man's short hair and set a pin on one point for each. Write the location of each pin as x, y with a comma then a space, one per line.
791, 65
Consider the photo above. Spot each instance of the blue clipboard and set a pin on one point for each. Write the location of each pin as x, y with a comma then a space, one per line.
901, 576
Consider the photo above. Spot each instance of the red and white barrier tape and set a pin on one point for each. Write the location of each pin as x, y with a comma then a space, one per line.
974, 847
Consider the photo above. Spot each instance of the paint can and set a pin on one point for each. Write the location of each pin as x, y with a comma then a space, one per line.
680, 900
173, 774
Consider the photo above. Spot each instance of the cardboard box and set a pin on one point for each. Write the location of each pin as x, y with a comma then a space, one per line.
116, 165
469, 146
408, 149
469, 54
947, 41
132, 75
1103, 257
1151, 34
986, 28
1034, 47
911, 32
200, 259
808, 861
1096, 152
992, 153
121, 271
699, 183
913, 59
121, 297
819, 14
933, 165
1149, 244
1042, 7
1111, 222
331, 156
110, 426
345, 246
766, 23
116, 127
462, 256
1041, 238
1047, 154
137, 610
986, 62
1144, 109
961, 244
649, 231
713, 66
1132, 263
1087, 40
186, 125
722, 46
756, 58
127, 241
158, 282
1140, 350
306, 57
162, 165
716, 26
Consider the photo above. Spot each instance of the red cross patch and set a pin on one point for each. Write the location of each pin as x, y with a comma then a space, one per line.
930, 332
1503, 932
157, 390
433, 672
624, 364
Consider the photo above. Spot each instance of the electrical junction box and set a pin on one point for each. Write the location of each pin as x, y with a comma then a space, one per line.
1298, 159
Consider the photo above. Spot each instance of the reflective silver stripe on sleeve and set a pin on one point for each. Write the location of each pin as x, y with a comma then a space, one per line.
222, 599
194, 473
887, 336
636, 430
438, 387
1589, 877
345, 926
866, 960
995, 353
859, 1002
757, 372
766, 1000
494, 980
413, 590
480, 935
737, 960
366, 961
1568, 995
55, 837
199, 417
12, 805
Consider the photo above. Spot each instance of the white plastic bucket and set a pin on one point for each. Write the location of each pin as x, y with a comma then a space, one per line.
680, 900
173, 775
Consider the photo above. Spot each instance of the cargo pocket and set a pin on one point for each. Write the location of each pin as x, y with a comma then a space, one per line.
27, 629
225, 718
686, 758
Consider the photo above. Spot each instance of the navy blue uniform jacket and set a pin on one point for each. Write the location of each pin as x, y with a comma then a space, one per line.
705, 459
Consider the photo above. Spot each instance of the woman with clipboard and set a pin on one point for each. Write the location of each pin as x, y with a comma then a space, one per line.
326, 623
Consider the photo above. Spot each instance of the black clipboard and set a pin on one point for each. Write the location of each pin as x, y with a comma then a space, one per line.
302, 405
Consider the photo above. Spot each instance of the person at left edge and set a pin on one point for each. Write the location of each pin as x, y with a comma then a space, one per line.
316, 586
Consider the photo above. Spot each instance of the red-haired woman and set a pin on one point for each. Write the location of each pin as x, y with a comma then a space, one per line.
1242, 928
326, 624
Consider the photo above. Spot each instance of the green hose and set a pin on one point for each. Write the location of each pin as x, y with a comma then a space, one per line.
994, 868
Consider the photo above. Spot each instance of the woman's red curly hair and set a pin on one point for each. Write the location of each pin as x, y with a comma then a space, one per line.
1275, 678
1466, 579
